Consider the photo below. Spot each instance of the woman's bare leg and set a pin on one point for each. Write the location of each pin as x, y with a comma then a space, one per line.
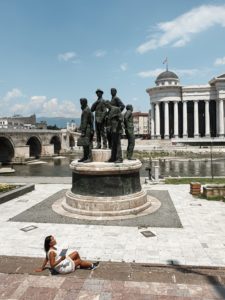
85, 264
78, 262
74, 255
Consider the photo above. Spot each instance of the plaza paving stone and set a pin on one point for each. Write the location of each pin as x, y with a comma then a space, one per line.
84, 284
176, 263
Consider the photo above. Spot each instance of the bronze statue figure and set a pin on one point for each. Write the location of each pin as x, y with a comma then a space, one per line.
129, 130
115, 101
100, 113
87, 130
115, 121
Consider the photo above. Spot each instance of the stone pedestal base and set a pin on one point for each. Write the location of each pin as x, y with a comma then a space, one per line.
106, 206
101, 189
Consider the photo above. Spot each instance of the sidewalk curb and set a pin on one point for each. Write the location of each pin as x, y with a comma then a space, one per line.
17, 192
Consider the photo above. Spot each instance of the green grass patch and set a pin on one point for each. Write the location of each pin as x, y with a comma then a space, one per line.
6, 187
216, 198
202, 180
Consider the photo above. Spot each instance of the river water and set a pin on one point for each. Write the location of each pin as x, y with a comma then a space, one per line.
187, 168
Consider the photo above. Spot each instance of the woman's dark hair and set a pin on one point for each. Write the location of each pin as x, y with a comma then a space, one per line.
47, 243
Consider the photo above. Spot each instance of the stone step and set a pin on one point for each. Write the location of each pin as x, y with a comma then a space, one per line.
104, 204
118, 213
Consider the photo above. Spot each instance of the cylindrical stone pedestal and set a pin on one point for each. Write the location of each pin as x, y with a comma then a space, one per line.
106, 189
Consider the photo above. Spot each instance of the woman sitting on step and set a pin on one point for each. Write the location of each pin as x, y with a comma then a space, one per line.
60, 263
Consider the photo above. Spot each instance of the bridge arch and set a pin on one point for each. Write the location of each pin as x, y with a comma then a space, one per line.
55, 140
7, 151
35, 146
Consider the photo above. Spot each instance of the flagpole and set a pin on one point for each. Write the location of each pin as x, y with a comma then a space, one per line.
166, 62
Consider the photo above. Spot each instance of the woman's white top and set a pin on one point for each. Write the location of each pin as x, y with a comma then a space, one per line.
65, 266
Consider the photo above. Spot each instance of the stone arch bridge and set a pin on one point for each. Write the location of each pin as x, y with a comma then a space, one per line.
17, 145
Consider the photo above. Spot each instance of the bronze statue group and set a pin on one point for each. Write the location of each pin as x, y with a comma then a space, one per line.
109, 125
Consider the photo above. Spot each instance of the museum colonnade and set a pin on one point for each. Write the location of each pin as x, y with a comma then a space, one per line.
187, 119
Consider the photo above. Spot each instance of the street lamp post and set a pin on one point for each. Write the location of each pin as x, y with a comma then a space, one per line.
149, 169
211, 157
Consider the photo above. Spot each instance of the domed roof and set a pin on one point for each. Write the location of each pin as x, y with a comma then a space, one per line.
167, 75
221, 76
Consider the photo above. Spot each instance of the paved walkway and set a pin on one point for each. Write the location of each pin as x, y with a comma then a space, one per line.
199, 244
111, 281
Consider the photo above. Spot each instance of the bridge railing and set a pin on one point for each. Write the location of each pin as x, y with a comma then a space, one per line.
22, 130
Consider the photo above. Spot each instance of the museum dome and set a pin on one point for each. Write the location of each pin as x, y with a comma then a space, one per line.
167, 78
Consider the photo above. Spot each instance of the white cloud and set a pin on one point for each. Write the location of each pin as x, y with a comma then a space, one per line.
150, 73
100, 53
179, 31
17, 109
42, 106
13, 94
156, 72
220, 61
68, 109
38, 104
56, 108
38, 99
188, 72
50, 105
67, 56
124, 67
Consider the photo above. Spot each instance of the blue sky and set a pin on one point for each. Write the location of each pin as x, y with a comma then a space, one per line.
55, 52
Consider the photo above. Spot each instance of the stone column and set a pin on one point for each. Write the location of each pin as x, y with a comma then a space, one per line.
221, 118
153, 121
175, 119
157, 121
217, 118
207, 119
196, 122
166, 117
185, 131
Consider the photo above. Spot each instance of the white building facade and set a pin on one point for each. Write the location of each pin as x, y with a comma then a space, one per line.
187, 111
141, 124
3, 123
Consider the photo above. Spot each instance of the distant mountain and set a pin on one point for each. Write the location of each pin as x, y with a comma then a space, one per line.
60, 122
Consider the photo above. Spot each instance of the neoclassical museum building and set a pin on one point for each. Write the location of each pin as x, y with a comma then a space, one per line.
185, 112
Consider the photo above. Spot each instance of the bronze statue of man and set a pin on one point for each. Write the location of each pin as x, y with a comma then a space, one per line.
87, 129
100, 113
115, 121
115, 101
129, 130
